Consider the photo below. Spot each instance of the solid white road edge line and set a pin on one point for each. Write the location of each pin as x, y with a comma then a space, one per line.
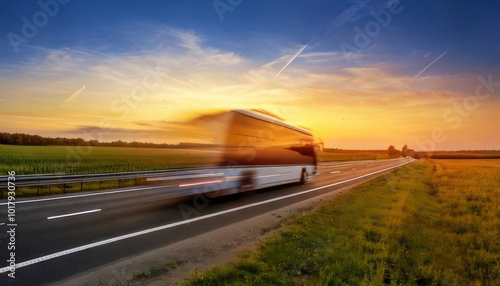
115, 239
335, 172
73, 214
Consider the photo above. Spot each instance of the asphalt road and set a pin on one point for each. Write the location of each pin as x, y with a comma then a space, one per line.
58, 237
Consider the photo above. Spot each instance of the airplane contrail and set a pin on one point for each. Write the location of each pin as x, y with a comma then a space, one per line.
428, 66
290, 61
74, 95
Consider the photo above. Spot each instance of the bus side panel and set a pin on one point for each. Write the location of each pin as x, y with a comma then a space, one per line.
252, 141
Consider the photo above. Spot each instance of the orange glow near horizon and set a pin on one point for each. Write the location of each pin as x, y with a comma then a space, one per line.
361, 120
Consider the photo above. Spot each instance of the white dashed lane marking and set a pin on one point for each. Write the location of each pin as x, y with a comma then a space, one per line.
73, 214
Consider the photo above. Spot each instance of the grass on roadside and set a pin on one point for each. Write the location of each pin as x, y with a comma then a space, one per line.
427, 223
157, 270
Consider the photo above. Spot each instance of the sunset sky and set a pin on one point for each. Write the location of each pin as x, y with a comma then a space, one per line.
360, 74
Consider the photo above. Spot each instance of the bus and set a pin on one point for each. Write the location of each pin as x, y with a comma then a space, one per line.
253, 149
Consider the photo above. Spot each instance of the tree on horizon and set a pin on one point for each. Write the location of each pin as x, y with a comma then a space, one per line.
404, 151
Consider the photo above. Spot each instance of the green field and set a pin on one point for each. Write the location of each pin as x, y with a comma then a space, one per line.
426, 223
26, 160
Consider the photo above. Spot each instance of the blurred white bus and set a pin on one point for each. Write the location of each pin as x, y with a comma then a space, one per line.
254, 150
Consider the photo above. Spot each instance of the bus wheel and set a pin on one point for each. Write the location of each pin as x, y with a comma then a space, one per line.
247, 181
303, 177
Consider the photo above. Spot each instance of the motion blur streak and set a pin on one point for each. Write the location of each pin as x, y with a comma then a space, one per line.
200, 183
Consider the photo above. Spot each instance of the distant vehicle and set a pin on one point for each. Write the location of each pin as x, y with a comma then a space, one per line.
255, 150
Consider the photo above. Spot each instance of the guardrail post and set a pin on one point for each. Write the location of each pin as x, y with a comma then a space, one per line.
64, 188
81, 186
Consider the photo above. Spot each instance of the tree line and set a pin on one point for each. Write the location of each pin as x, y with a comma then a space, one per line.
37, 140
404, 152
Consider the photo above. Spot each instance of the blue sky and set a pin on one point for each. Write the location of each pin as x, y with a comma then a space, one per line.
306, 60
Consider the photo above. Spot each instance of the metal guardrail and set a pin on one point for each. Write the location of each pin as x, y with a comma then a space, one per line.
34, 180
50, 180
157, 175
46, 180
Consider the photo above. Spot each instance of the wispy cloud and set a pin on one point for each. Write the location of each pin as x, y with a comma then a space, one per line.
347, 15
359, 10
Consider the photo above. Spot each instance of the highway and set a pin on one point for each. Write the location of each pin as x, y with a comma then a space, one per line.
61, 236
